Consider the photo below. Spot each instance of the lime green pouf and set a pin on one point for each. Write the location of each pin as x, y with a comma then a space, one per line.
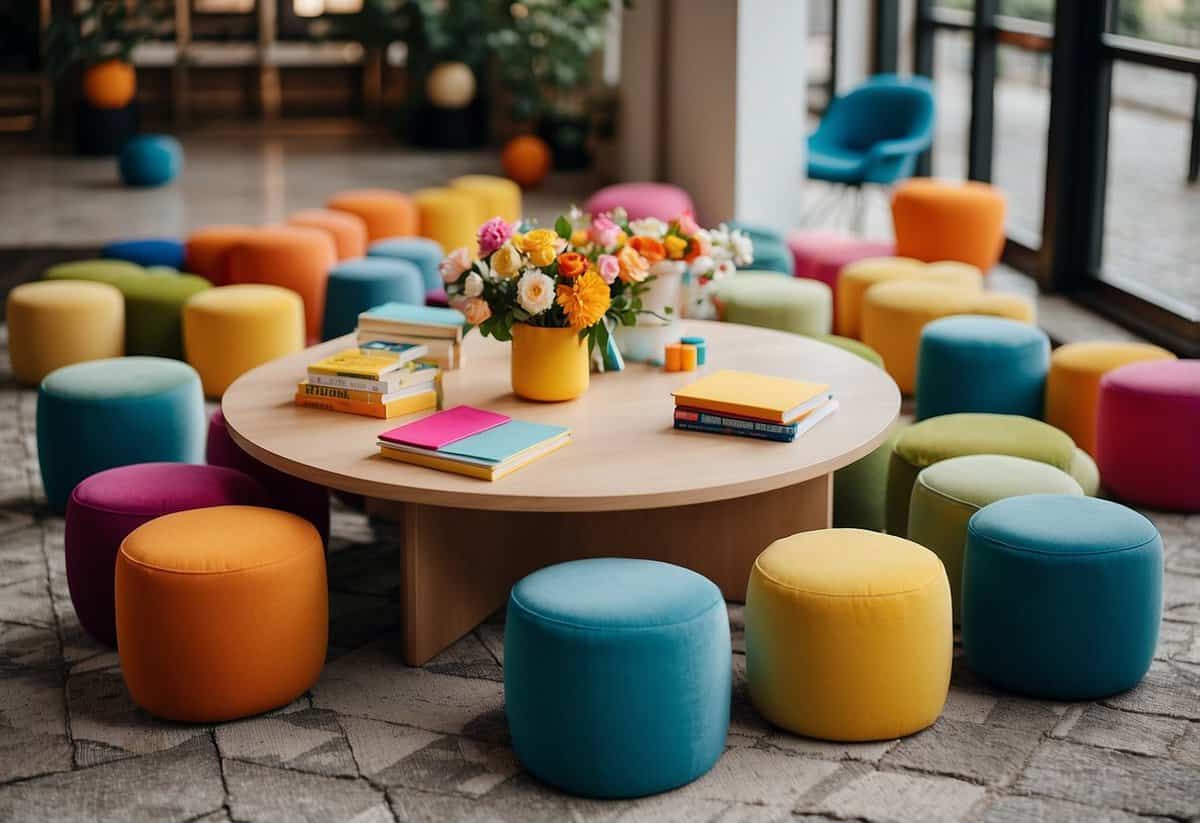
154, 299
775, 302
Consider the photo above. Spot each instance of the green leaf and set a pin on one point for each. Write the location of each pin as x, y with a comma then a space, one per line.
563, 227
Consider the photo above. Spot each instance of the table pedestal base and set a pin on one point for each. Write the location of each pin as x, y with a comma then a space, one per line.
459, 564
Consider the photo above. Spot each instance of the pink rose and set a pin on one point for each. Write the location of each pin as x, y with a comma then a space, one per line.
608, 267
492, 235
457, 262
687, 224
475, 309
604, 231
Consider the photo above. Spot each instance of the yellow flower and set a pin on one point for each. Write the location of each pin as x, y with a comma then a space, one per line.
675, 246
506, 261
585, 300
579, 237
541, 246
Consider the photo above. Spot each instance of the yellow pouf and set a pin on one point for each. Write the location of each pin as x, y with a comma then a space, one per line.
450, 217
497, 196
55, 323
848, 635
1073, 385
228, 331
895, 313
855, 278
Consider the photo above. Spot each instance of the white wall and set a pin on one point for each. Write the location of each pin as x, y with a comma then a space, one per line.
638, 100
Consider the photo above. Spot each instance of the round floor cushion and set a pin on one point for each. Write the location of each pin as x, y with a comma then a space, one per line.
639, 200
290, 257
949, 220
349, 231
222, 612
206, 251
450, 217
107, 506
150, 160
617, 676
387, 213
105, 413
848, 635
857, 277
948, 493
357, 285
147, 251
52, 324
422, 252
497, 196
1062, 596
1148, 434
773, 301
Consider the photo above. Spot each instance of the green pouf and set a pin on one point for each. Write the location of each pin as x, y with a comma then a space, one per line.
97, 271
860, 489
856, 347
766, 299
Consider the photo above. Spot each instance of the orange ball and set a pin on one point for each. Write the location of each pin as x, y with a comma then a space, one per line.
110, 84
526, 160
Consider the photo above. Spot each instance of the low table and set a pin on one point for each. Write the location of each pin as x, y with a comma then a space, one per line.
627, 485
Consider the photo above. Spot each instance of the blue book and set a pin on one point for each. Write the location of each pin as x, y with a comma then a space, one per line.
501, 443
404, 318
684, 425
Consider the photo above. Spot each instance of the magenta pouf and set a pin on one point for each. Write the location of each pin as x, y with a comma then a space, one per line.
1148, 434
820, 255
104, 508
661, 200
284, 492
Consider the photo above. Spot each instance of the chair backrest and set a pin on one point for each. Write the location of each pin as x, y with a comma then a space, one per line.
886, 107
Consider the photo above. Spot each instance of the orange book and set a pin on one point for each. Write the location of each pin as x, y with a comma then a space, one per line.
758, 396
386, 411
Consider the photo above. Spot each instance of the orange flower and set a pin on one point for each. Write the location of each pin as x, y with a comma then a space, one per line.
585, 300
650, 248
634, 267
571, 264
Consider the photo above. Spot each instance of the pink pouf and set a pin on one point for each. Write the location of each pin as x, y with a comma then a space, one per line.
104, 508
1148, 434
820, 255
661, 200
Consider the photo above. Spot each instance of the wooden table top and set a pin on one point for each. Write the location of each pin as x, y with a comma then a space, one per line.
624, 454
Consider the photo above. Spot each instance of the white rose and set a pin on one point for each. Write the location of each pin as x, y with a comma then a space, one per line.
648, 227
473, 286
535, 292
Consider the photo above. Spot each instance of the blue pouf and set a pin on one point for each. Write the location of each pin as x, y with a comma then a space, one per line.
105, 413
973, 363
363, 283
422, 252
617, 676
150, 160
770, 251
150, 251
1061, 596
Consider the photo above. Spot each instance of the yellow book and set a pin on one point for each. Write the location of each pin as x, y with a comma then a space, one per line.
386, 411
369, 363
476, 470
310, 389
760, 396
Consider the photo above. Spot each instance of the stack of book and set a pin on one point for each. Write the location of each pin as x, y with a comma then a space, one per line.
752, 405
473, 442
377, 379
440, 330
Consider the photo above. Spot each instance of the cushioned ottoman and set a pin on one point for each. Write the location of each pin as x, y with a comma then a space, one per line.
52, 324
947, 493
357, 285
856, 278
661, 200
496, 196
821, 255
617, 676
221, 612
848, 635
284, 492
290, 257
860, 489
206, 251
106, 507
387, 213
97, 271
895, 314
955, 435
1148, 434
150, 251
971, 363
1062, 596
450, 217
150, 160
105, 413
768, 300
1073, 385
422, 252
349, 231
229, 330
941, 220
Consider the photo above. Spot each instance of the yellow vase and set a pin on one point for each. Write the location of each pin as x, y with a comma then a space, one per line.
548, 364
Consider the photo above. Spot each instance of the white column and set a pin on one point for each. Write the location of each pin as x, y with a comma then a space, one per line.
854, 28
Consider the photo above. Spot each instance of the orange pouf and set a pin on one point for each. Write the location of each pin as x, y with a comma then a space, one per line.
221, 612
110, 84
939, 220
526, 159
292, 257
206, 251
349, 231
387, 213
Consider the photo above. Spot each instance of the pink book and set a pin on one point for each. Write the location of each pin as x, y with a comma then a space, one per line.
444, 427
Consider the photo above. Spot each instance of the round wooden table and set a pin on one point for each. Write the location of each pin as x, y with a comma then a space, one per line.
627, 485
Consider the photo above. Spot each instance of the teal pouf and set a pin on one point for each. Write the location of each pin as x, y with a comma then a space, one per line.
363, 283
422, 252
105, 413
972, 363
617, 676
150, 160
1061, 596
148, 251
770, 250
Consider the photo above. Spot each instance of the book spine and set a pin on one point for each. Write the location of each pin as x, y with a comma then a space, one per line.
375, 386
740, 423
413, 334
405, 405
707, 429
338, 393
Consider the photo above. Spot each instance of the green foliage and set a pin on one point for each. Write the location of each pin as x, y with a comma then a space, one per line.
104, 30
